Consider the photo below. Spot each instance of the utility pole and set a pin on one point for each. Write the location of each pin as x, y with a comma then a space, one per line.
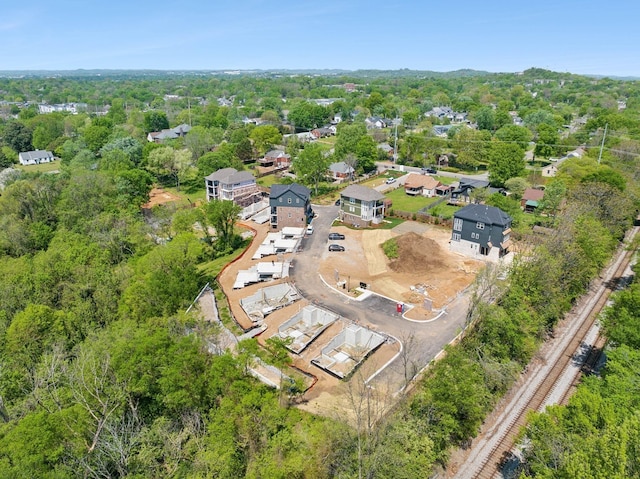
189, 105
395, 141
602, 145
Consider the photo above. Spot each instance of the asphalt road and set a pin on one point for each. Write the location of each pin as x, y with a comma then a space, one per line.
382, 166
425, 339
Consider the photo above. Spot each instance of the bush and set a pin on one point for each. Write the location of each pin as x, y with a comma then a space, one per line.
390, 248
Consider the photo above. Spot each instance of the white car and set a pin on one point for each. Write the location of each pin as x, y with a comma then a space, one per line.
310, 229
390, 180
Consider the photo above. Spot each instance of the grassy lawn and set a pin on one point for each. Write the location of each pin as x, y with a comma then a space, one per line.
212, 268
444, 210
192, 195
329, 141
404, 202
268, 180
446, 180
42, 167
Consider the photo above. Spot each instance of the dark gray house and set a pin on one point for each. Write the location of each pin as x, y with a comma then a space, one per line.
290, 206
481, 232
462, 192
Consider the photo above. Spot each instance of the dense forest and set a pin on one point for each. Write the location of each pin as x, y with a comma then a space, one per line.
104, 374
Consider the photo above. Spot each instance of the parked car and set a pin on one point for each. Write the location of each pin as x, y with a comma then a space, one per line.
390, 180
429, 171
338, 201
336, 247
336, 236
310, 229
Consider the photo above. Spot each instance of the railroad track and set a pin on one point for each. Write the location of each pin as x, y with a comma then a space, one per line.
500, 439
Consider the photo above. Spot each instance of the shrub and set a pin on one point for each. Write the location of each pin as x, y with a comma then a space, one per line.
390, 248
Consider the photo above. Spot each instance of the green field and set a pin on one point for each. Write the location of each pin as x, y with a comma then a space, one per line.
268, 180
42, 167
404, 202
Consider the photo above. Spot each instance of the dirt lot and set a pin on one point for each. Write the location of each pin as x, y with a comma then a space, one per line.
424, 259
424, 262
158, 196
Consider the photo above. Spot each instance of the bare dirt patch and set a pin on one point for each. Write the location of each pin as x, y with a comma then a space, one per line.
425, 267
418, 255
158, 196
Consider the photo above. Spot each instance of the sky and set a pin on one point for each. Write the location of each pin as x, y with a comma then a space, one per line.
576, 36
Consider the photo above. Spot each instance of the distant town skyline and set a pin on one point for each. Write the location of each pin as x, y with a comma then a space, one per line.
582, 37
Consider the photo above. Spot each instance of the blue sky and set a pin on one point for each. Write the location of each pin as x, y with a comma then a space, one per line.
577, 36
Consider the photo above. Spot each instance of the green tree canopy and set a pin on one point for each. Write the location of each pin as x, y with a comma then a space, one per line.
311, 165
506, 161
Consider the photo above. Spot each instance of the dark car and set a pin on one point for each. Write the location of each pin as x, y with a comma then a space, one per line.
336, 236
336, 247
337, 203
429, 171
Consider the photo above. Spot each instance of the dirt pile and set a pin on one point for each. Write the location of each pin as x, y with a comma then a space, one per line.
418, 255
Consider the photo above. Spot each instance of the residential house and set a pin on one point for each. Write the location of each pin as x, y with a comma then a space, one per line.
444, 190
169, 133
304, 137
374, 122
531, 199
388, 149
233, 185
322, 132
441, 130
550, 170
361, 206
290, 206
443, 160
275, 158
481, 232
440, 112
341, 171
72, 108
462, 191
424, 185
35, 157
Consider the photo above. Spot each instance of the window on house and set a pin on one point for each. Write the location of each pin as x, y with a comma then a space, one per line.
280, 200
289, 215
289, 200
456, 237
297, 200
480, 225
352, 209
457, 224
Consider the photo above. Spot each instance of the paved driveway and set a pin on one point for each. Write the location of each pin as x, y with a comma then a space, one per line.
374, 311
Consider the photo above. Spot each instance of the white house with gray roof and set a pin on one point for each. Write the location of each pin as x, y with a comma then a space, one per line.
169, 133
35, 157
361, 206
233, 185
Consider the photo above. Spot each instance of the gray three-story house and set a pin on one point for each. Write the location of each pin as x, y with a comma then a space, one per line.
481, 232
290, 206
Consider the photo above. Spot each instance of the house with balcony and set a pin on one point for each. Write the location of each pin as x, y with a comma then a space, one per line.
361, 206
275, 159
481, 232
233, 185
290, 206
